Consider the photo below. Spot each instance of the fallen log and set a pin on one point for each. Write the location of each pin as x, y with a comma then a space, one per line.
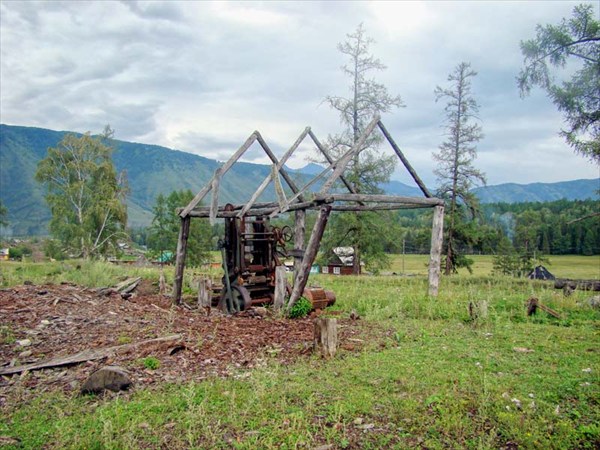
533, 304
584, 285
86, 355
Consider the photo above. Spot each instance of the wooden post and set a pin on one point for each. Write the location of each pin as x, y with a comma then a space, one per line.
204, 292
300, 219
309, 256
280, 278
162, 284
184, 232
437, 238
214, 204
325, 336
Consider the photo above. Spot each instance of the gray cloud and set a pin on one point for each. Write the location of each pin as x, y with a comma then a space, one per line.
201, 76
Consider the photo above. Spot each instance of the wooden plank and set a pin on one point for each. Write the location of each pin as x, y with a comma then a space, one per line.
237, 155
437, 238
280, 281
265, 211
368, 198
214, 204
282, 170
283, 203
86, 355
184, 232
410, 169
299, 228
268, 179
330, 160
341, 163
310, 254
204, 293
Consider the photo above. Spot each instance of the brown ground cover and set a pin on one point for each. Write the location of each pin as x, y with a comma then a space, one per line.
62, 320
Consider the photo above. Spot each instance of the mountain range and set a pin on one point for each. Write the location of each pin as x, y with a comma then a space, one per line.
153, 169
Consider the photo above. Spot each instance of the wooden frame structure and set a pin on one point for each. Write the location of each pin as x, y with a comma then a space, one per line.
302, 199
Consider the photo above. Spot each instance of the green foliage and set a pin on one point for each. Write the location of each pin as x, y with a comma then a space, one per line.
456, 173
574, 43
301, 308
164, 231
151, 363
53, 249
3, 214
84, 194
18, 251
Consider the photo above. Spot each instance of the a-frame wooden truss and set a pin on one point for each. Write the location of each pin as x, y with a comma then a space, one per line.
303, 199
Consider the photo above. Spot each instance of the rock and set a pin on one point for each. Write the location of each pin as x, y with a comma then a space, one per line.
25, 354
24, 342
354, 315
594, 301
261, 311
113, 378
45, 322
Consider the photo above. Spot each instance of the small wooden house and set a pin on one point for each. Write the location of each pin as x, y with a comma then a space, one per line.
340, 262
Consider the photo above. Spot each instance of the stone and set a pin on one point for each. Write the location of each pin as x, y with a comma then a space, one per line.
24, 342
25, 354
594, 301
113, 378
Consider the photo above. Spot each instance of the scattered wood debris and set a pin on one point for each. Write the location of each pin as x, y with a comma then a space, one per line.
533, 304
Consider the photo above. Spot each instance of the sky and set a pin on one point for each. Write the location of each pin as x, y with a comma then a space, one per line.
202, 76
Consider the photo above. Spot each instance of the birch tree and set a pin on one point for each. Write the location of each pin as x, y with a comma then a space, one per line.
85, 196
456, 173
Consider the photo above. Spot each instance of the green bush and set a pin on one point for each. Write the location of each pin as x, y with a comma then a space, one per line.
151, 363
301, 308
19, 251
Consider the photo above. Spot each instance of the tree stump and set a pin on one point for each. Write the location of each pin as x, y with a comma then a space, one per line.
325, 337
204, 294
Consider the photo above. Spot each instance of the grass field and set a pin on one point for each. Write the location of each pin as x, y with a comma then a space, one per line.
430, 378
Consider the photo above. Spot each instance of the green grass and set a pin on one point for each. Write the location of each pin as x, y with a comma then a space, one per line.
431, 377
562, 266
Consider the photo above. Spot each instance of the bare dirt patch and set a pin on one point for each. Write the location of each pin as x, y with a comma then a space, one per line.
42, 322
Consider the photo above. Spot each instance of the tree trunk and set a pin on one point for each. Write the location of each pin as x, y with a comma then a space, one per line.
325, 337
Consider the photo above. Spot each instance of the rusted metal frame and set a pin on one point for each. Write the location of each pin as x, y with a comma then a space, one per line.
330, 160
341, 163
404, 161
273, 158
269, 177
224, 168
301, 277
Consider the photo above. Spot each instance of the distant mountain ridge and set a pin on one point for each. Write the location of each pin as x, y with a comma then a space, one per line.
152, 169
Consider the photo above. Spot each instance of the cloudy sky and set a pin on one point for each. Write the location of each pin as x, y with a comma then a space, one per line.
201, 76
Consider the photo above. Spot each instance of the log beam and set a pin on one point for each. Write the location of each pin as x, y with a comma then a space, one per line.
184, 232
310, 254
437, 238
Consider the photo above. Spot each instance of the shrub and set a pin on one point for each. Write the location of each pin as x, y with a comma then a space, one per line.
151, 363
301, 308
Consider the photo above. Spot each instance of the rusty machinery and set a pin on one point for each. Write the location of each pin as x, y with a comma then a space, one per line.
251, 250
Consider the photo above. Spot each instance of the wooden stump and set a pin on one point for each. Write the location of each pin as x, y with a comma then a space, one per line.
205, 294
325, 337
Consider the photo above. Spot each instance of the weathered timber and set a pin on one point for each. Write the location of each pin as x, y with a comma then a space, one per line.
214, 204
375, 198
162, 283
184, 232
404, 160
283, 203
204, 292
309, 256
533, 304
280, 281
341, 164
437, 237
299, 228
237, 155
86, 355
265, 211
584, 285
377, 207
325, 337
273, 158
128, 285
269, 177
330, 160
